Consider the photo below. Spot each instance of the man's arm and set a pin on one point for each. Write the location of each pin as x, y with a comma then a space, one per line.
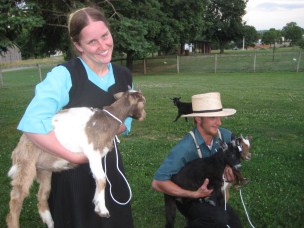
170, 188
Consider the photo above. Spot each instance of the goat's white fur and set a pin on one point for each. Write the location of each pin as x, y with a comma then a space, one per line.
70, 127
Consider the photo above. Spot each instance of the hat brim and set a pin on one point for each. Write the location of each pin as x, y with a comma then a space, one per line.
224, 112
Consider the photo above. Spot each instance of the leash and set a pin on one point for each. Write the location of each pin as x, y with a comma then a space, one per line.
113, 116
245, 209
125, 179
225, 189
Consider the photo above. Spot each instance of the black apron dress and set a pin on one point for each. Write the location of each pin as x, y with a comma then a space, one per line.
73, 190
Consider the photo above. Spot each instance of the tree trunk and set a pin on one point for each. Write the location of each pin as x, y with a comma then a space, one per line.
130, 60
273, 52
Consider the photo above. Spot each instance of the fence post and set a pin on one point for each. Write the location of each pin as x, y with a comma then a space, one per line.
145, 66
1, 78
177, 64
254, 62
215, 63
299, 60
39, 71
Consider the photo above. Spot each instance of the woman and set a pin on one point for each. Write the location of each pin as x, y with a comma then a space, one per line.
89, 80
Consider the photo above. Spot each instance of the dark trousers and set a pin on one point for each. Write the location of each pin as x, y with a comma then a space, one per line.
72, 194
201, 214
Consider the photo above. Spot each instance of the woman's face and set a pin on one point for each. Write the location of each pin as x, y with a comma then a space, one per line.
96, 43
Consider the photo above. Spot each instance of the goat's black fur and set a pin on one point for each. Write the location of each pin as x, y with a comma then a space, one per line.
194, 173
183, 108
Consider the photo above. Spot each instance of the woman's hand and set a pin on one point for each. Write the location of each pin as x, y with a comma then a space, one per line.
121, 129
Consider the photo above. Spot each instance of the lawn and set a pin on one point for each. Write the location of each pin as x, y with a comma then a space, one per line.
269, 108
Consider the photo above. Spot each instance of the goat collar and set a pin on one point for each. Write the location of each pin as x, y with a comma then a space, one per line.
113, 116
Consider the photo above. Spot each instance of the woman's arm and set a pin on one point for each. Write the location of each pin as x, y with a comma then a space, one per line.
49, 143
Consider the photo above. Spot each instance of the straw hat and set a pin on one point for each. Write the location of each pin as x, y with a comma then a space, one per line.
209, 105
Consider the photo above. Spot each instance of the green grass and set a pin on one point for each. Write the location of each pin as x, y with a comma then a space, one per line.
269, 107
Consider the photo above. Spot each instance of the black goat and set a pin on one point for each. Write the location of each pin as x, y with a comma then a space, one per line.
183, 108
193, 174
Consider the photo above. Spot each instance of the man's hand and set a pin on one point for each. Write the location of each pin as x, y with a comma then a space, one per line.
203, 191
228, 174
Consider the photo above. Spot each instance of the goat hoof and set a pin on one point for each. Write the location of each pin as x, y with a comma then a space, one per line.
102, 212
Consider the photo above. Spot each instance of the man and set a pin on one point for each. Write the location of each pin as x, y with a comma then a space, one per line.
207, 113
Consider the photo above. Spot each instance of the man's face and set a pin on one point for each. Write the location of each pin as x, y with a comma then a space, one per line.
210, 125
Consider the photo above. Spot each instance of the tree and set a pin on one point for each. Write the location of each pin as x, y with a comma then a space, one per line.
14, 16
130, 39
224, 21
185, 18
250, 36
272, 36
292, 33
301, 44
134, 34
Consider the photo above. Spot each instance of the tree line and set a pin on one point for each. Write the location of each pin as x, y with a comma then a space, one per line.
139, 27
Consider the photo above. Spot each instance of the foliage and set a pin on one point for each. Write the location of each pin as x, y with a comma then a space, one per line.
140, 27
301, 43
14, 16
272, 36
138, 46
186, 19
251, 35
224, 21
133, 34
269, 107
292, 33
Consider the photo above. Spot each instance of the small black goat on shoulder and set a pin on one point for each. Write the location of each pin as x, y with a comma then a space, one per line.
193, 174
183, 107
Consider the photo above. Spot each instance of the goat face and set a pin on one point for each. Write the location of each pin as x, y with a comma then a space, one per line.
175, 100
245, 146
232, 153
137, 100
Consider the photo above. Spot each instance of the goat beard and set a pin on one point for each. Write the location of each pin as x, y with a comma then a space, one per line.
239, 181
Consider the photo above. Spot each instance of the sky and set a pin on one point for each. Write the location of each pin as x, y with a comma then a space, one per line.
266, 14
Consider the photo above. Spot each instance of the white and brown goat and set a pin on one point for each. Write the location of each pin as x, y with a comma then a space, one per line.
91, 131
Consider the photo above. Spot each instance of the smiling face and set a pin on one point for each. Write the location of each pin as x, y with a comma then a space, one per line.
209, 125
95, 44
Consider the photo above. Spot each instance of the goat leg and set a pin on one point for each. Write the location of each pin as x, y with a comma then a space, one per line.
100, 179
22, 179
44, 179
170, 208
177, 117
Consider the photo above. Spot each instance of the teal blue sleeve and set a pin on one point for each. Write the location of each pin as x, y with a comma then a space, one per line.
128, 124
50, 96
180, 154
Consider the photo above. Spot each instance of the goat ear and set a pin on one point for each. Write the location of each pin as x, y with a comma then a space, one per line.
118, 95
223, 145
249, 137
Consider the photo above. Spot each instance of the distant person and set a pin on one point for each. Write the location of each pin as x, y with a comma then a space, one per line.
207, 113
186, 48
190, 47
89, 80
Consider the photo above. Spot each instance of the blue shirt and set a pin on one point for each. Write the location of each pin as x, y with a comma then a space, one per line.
185, 151
52, 94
